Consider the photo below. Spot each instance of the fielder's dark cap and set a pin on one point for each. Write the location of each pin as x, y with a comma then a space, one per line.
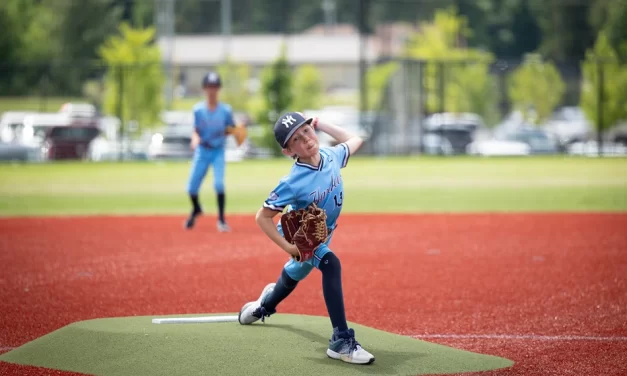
211, 79
287, 124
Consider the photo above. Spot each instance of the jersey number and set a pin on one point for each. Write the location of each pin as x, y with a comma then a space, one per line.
339, 203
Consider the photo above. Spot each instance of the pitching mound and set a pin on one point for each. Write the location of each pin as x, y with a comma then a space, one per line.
285, 344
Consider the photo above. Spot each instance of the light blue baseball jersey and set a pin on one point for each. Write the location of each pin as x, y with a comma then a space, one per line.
211, 125
306, 184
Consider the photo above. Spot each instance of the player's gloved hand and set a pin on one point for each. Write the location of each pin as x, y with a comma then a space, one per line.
306, 229
239, 132
290, 223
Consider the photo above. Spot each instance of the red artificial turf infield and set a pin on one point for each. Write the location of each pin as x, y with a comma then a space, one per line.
563, 276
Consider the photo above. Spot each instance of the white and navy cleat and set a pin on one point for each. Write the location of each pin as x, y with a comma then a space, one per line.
344, 346
253, 311
223, 227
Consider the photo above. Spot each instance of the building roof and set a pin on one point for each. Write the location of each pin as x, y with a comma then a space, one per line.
265, 48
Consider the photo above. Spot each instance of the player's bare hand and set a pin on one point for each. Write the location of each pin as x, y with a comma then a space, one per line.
195, 141
292, 250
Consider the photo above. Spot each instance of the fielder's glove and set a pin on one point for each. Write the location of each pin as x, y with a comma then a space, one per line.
305, 228
239, 132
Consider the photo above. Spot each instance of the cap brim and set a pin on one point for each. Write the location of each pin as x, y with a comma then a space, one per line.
293, 130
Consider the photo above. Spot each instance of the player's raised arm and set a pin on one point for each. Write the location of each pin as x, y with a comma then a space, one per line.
352, 140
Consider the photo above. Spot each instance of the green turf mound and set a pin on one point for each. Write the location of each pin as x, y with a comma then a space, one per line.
284, 345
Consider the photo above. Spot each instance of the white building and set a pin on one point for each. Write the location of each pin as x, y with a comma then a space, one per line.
336, 52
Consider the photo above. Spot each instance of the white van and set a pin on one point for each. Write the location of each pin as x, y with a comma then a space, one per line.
12, 125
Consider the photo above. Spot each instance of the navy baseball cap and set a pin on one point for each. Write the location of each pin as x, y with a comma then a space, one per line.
287, 124
211, 79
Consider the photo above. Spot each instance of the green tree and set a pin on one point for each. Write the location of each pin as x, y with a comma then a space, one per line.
83, 28
377, 78
307, 93
54, 41
566, 30
235, 81
536, 85
134, 70
615, 83
440, 44
505, 28
609, 16
276, 91
27, 45
472, 89
10, 45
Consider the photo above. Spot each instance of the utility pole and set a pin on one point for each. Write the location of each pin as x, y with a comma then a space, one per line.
127, 13
328, 7
600, 100
226, 14
164, 22
363, 40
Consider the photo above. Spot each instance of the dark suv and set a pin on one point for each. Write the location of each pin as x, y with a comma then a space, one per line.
68, 141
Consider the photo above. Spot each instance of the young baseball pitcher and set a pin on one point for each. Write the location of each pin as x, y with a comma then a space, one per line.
213, 121
312, 191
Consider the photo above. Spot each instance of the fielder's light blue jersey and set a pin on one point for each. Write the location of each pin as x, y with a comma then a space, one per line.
211, 125
306, 184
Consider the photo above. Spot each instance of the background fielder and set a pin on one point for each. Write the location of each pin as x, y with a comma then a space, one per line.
212, 120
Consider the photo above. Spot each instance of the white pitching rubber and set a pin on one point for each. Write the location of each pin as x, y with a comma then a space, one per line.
194, 320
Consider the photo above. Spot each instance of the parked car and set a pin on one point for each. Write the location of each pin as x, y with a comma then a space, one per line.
568, 124
450, 133
173, 142
69, 141
489, 148
12, 126
538, 140
103, 149
12, 151
591, 149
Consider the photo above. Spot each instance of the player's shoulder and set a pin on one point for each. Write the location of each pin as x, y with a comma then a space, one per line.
286, 182
295, 175
326, 151
200, 106
226, 107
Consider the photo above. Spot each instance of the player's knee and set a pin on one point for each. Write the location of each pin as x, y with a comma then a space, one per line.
219, 187
330, 263
287, 281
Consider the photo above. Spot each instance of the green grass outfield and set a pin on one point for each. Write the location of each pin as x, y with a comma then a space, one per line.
409, 184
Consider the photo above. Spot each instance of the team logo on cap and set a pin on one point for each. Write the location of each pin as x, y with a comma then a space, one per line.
288, 120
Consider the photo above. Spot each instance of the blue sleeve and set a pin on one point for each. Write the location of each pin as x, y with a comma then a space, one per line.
280, 197
341, 154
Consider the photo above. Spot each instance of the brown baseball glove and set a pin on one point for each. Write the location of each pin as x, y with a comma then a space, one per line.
239, 132
305, 228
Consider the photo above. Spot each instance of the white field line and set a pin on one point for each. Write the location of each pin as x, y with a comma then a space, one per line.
530, 337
